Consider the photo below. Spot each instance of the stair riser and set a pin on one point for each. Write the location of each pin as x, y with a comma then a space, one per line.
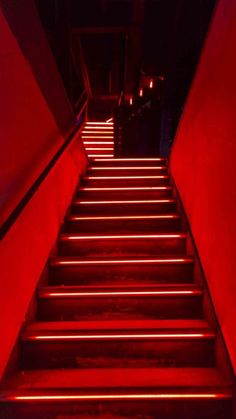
168, 409
125, 194
123, 226
119, 308
120, 274
97, 144
117, 247
128, 172
106, 183
131, 163
124, 209
118, 353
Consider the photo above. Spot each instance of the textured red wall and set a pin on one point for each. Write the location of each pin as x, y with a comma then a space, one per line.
203, 164
30, 136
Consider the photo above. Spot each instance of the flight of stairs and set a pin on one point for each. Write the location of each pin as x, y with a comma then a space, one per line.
119, 329
98, 139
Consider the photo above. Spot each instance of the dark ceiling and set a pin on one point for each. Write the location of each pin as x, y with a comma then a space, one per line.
165, 37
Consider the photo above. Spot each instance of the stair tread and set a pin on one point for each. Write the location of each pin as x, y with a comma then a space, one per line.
190, 290
118, 378
111, 325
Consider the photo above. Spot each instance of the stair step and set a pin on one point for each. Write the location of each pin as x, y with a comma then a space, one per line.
116, 180
128, 161
125, 192
127, 170
115, 302
78, 271
186, 393
118, 378
88, 344
124, 206
123, 223
115, 245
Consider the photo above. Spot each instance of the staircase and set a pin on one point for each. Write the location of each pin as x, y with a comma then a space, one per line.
98, 139
119, 329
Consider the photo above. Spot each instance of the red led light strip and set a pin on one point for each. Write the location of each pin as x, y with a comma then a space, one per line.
121, 293
129, 168
206, 335
121, 261
142, 396
127, 217
96, 132
97, 136
141, 201
99, 123
133, 159
130, 188
130, 236
98, 142
126, 177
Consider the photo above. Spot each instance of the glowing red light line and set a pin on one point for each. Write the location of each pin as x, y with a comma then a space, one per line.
121, 293
141, 396
127, 217
132, 159
129, 168
99, 142
123, 336
97, 136
96, 132
126, 177
130, 236
99, 123
121, 261
130, 188
141, 201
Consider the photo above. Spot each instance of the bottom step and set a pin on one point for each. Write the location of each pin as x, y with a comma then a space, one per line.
188, 393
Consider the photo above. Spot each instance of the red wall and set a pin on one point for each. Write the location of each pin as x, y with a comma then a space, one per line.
30, 135
203, 164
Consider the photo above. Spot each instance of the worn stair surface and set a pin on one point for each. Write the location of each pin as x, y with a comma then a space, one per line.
119, 330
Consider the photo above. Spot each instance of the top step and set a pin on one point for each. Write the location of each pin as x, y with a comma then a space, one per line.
135, 161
